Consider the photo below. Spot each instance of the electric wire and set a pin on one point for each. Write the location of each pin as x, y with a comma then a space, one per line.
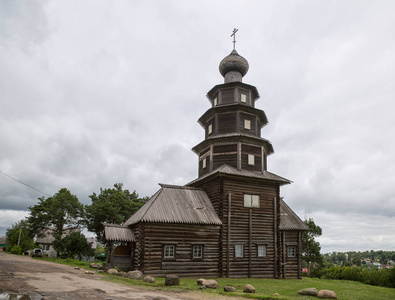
24, 183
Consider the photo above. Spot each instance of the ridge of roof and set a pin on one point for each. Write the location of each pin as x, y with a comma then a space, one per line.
289, 220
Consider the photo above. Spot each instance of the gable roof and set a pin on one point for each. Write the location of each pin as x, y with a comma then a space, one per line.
289, 220
46, 236
177, 204
113, 232
228, 170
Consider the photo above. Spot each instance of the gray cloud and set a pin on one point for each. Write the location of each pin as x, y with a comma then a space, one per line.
96, 93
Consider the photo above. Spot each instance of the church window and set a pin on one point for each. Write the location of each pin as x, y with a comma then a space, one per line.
210, 129
251, 159
239, 251
291, 251
247, 124
243, 98
204, 163
215, 101
169, 251
197, 251
261, 250
251, 200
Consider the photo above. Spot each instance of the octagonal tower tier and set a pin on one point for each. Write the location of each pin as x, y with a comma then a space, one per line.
233, 124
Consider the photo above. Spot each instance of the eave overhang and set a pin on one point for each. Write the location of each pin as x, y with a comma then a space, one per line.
234, 138
233, 108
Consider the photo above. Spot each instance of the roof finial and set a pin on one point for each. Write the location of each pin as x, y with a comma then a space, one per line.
234, 38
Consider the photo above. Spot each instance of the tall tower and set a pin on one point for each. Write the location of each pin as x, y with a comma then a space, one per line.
233, 124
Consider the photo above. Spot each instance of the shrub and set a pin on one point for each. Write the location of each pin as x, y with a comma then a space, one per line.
16, 250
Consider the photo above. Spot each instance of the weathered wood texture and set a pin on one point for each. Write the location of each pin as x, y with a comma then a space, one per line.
291, 263
183, 236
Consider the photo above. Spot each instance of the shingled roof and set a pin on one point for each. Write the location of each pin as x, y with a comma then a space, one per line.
177, 204
122, 233
289, 220
228, 170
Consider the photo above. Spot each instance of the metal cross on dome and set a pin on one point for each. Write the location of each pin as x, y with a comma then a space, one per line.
234, 38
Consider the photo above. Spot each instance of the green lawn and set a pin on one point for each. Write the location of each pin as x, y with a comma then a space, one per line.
265, 288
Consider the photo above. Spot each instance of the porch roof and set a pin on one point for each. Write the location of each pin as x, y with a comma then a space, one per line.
121, 233
289, 220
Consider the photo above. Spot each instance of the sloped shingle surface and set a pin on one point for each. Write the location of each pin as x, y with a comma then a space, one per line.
177, 204
120, 233
289, 220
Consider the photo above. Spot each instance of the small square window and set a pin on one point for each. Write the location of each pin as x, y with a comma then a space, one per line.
204, 163
251, 200
251, 159
197, 251
247, 124
243, 98
210, 129
239, 251
215, 101
168, 251
291, 251
261, 250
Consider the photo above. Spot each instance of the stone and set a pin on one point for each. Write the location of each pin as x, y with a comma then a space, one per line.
77, 268
172, 280
210, 284
326, 294
89, 272
199, 281
228, 288
276, 294
95, 266
149, 279
308, 292
248, 288
203, 287
112, 271
134, 275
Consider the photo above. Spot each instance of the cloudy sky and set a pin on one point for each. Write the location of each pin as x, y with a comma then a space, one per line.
98, 92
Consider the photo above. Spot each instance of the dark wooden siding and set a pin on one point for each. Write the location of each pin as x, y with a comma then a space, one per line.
204, 154
214, 127
225, 154
248, 229
246, 92
256, 151
227, 95
226, 123
291, 263
183, 236
251, 118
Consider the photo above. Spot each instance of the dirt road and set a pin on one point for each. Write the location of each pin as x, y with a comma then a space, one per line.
50, 281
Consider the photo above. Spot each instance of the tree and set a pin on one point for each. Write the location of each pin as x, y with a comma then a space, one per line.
19, 236
72, 245
60, 212
113, 206
312, 248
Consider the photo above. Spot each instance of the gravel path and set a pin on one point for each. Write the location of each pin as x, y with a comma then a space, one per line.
50, 281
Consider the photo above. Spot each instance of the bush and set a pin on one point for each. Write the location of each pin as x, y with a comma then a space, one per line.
383, 277
16, 250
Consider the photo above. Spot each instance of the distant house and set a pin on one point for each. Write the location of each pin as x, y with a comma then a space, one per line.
46, 240
3, 241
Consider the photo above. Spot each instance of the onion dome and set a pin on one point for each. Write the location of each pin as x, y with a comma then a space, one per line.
233, 67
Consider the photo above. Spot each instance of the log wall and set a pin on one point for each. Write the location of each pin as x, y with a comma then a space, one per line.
183, 236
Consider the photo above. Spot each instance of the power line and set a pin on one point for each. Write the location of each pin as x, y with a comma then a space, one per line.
25, 184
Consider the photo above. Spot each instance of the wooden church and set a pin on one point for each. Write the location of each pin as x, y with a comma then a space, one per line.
229, 222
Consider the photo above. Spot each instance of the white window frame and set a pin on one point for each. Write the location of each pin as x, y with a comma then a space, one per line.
169, 251
197, 252
243, 98
204, 163
239, 251
210, 129
291, 251
262, 251
251, 200
251, 159
247, 124
215, 101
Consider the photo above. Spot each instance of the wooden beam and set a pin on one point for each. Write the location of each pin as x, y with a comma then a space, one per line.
250, 245
275, 236
228, 241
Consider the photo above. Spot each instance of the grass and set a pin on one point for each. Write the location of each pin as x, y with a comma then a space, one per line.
265, 288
